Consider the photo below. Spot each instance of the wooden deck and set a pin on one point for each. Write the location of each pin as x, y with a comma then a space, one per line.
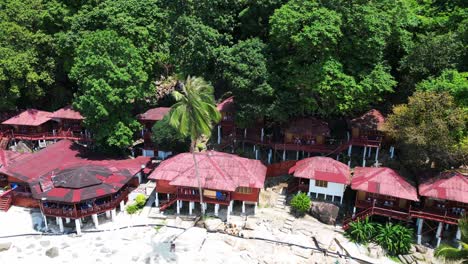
79, 213
46, 135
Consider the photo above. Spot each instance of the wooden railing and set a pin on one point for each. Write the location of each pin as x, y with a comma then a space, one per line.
445, 218
79, 213
47, 135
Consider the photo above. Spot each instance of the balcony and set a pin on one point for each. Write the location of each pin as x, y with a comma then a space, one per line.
192, 195
78, 211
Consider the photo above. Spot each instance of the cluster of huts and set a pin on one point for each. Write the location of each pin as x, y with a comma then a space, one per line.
67, 182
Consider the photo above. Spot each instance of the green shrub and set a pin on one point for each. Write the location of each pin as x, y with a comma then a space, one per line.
140, 200
131, 209
394, 238
300, 203
361, 231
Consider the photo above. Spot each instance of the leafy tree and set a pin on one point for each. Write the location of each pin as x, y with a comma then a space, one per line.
430, 130
26, 58
451, 81
193, 46
244, 67
450, 253
194, 114
111, 78
394, 238
166, 137
429, 56
300, 203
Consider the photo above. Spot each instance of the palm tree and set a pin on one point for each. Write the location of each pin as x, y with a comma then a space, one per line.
193, 115
452, 253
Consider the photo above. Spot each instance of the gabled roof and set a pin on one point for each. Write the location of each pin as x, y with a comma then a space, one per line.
322, 168
217, 170
67, 112
154, 114
309, 126
372, 120
30, 117
384, 181
227, 105
449, 185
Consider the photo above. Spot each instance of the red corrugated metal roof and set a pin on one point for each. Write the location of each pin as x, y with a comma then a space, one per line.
372, 120
227, 105
322, 168
30, 117
67, 112
310, 126
154, 114
449, 185
383, 181
217, 170
66, 156
9, 157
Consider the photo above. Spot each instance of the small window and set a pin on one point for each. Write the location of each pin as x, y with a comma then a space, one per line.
244, 190
320, 183
321, 197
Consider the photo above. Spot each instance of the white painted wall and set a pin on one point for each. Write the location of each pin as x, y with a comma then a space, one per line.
334, 189
148, 153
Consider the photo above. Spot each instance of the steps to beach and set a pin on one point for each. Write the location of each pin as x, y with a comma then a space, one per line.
288, 224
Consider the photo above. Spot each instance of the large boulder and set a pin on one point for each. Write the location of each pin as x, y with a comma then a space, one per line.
5, 246
212, 224
52, 252
325, 212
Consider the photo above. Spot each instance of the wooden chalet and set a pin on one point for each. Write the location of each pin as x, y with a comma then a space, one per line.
322, 178
381, 191
444, 199
366, 132
68, 119
148, 119
30, 123
224, 178
64, 181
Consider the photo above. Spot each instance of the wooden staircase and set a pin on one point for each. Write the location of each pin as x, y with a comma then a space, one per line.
358, 217
6, 199
375, 210
163, 206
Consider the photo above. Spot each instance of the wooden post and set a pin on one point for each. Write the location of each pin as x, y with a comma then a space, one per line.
95, 220
78, 226
350, 149
284, 154
377, 154
219, 134
262, 134
439, 233
364, 157
419, 222
370, 152
156, 200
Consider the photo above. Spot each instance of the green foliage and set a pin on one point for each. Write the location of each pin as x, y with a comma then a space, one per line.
451, 81
394, 238
300, 203
26, 56
140, 200
132, 209
361, 231
166, 137
194, 112
245, 71
110, 75
450, 253
430, 129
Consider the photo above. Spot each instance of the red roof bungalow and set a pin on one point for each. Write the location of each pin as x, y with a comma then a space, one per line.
29, 123
65, 181
322, 178
366, 130
308, 131
382, 191
148, 119
68, 119
227, 108
224, 178
444, 198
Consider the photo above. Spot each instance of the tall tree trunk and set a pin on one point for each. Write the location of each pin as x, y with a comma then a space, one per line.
192, 149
